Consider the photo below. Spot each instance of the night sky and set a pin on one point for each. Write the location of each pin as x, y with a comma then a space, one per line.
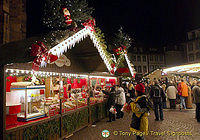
153, 23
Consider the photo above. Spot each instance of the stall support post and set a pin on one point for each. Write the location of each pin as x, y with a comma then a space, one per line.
89, 107
2, 101
60, 98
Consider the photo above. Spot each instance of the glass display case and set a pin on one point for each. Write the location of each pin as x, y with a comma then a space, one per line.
31, 100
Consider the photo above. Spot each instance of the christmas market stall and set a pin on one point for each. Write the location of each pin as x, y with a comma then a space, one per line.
188, 72
51, 84
49, 95
155, 74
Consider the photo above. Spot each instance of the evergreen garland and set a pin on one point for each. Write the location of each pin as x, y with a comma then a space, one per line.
101, 38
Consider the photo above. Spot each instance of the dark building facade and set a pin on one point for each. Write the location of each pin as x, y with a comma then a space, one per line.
175, 54
193, 46
146, 60
12, 20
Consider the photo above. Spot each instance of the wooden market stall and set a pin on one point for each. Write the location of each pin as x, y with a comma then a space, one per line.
155, 74
54, 101
188, 72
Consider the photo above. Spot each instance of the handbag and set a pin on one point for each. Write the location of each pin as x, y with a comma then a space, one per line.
135, 123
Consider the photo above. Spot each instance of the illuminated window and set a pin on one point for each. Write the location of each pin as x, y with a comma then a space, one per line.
139, 69
144, 69
198, 55
152, 67
138, 58
151, 57
156, 66
156, 58
198, 34
191, 57
198, 45
134, 58
193, 35
190, 47
135, 67
161, 58
144, 58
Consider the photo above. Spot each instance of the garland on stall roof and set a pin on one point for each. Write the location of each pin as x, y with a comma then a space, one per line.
121, 44
101, 39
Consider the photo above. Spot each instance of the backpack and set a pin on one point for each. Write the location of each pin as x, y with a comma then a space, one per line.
156, 92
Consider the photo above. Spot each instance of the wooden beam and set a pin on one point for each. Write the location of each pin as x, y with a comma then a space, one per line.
2, 101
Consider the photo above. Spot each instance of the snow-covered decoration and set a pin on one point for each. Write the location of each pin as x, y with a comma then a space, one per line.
129, 65
70, 42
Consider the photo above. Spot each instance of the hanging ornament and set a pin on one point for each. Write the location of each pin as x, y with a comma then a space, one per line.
120, 50
89, 24
112, 71
40, 51
63, 60
67, 16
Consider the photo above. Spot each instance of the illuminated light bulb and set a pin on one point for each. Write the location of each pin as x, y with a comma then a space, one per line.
6, 70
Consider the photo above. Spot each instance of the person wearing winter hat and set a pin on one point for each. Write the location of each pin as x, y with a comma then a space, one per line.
140, 108
140, 88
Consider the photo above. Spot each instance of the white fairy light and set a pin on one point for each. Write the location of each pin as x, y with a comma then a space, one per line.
71, 41
129, 65
22, 71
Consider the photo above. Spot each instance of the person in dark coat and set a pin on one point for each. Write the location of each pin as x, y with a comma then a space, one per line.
158, 96
110, 103
196, 95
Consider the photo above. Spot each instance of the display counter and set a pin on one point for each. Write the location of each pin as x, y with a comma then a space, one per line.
61, 125
53, 107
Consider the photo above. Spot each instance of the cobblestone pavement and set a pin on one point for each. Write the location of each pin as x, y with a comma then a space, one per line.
174, 122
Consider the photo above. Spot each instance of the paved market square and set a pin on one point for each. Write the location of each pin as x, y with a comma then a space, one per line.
174, 122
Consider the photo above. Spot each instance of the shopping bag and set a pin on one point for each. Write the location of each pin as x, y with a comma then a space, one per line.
113, 110
126, 108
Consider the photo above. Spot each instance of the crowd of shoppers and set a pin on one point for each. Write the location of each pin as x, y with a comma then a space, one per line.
141, 97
